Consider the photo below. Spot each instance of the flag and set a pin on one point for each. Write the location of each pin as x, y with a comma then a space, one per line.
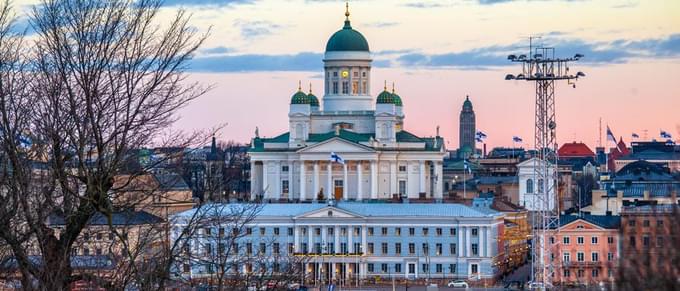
516, 139
337, 159
481, 135
466, 166
635, 135
479, 139
665, 135
670, 142
610, 135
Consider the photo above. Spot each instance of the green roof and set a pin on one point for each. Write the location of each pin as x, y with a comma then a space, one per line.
347, 39
467, 103
344, 134
300, 98
386, 97
313, 100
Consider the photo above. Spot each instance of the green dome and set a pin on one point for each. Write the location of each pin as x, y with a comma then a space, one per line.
313, 100
347, 39
467, 104
397, 99
300, 98
386, 97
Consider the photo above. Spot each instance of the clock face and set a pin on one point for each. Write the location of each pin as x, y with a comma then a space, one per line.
345, 74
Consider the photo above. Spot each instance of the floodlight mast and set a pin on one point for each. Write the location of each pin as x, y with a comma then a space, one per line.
543, 68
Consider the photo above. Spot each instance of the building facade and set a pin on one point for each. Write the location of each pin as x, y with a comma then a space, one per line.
530, 190
347, 241
374, 157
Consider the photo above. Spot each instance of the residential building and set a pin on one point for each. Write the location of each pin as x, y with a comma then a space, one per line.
653, 152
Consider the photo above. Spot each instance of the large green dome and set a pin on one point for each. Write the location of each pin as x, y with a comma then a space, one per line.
347, 39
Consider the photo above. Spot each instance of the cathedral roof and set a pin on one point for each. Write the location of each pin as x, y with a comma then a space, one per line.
347, 39
385, 97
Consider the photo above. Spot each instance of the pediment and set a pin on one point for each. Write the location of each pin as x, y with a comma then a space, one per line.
337, 145
329, 212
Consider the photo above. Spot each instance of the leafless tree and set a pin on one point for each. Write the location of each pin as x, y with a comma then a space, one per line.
98, 80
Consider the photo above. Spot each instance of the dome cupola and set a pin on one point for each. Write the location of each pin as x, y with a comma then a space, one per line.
347, 39
300, 97
385, 97
312, 98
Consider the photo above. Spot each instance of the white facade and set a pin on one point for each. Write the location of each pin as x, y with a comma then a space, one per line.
532, 191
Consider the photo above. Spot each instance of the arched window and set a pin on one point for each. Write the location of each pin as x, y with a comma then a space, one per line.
530, 185
540, 185
298, 131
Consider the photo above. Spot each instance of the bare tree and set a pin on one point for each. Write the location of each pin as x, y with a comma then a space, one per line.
101, 79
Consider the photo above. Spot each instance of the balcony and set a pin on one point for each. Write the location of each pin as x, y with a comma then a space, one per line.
583, 264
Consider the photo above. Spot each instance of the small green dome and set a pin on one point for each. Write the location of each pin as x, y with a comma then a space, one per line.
397, 99
347, 39
467, 104
300, 98
386, 97
313, 100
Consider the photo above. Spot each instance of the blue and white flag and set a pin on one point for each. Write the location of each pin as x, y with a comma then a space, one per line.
635, 135
481, 135
479, 139
665, 134
516, 139
610, 135
336, 158
670, 142
466, 166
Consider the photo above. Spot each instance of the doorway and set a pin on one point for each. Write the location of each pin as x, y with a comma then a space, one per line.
338, 189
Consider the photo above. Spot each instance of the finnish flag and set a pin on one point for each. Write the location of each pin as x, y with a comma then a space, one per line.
610, 135
481, 135
516, 139
665, 134
336, 158
466, 166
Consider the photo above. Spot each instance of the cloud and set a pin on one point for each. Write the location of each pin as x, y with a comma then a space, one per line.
424, 5
381, 24
205, 2
217, 50
256, 28
304, 61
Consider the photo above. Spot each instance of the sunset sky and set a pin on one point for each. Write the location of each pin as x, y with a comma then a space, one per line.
437, 52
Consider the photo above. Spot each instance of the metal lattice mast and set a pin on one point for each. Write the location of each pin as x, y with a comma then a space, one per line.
543, 68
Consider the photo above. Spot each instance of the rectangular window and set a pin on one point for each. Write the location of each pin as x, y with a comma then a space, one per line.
263, 248
452, 231
364, 89
475, 232
426, 231
397, 268
355, 87
580, 257
474, 268
438, 249
452, 268
345, 87
565, 273
335, 74
595, 257
263, 231
438, 231
356, 231
317, 231
426, 268
411, 231
438, 268
565, 240
249, 248
343, 231
370, 249
370, 231
411, 268
402, 168
402, 187
595, 273
370, 268
331, 231
356, 74
452, 248
610, 257
383, 246
397, 231
659, 241
645, 241
305, 248
290, 231
335, 86
291, 248
343, 248
645, 223
357, 248
383, 231
275, 248
411, 248
397, 248
566, 257
593, 240
276, 231
284, 169
383, 268
475, 249
285, 188
659, 223
426, 249
580, 273
631, 223
610, 240
632, 241
579, 240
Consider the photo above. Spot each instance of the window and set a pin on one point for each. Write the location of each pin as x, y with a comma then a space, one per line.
397, 248
645, 223
580, 273
645, 241
370, 268
659, 223
397, 268
659, 241
370, 231
363, 74
284, 168
383, 231
370, 249
452, 231
335, 85
383, 268
364, 87
411, 248
249, 248
452, 248
305, 248
580, 257
397, 231
317, 231
438, 249
290, 231
384, 248
438, 268
356, 74
540, 185
474, 268
475, 249
275, 248
355, 87
632, 241
317, 248
610, 257
426, 268
285, 186
343, 248
343, 231
426, 249
595, 257
530, 186
579, 240
411, 268
565, 240
263, 248
452, 268
402, 187
263, 231
595, 273
566, 257
335, 74
276, 231
426, 231
186, 268
291, 248
331, 231
86, 236
565, 273
357, 248
552, 240
580, 226
402, 168
475, 232
631, 222
438, 231
593, 240
356, 231
610, 240
345, 87
411, 231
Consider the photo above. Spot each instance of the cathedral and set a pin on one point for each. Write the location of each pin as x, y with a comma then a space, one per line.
348, 145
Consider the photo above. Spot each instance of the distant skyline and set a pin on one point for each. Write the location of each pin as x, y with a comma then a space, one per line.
437, 52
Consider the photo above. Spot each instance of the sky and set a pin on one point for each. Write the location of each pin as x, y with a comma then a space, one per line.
437, 52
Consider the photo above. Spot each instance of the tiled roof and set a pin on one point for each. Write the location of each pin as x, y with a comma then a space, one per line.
364, 209
497, 180
604, 221
117, 218
170, 181
575, 149
638, 189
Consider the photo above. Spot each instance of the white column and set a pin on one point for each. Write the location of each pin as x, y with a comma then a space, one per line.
360, 178
374, 180
393, 178
265, 181
422, 177
303, 181
336, 236
253, 179
344, 182
489, 249
350, 243
364, 242
277, 181
460, 231
481, 231
439, 185
324, 239
291, 168
468, 241
310, 243
315, 184
296, 239
329, 181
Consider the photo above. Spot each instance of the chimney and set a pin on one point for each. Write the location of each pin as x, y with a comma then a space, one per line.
645, 195
484, 156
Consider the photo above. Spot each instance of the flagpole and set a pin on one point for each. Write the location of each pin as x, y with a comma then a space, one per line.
464, 170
